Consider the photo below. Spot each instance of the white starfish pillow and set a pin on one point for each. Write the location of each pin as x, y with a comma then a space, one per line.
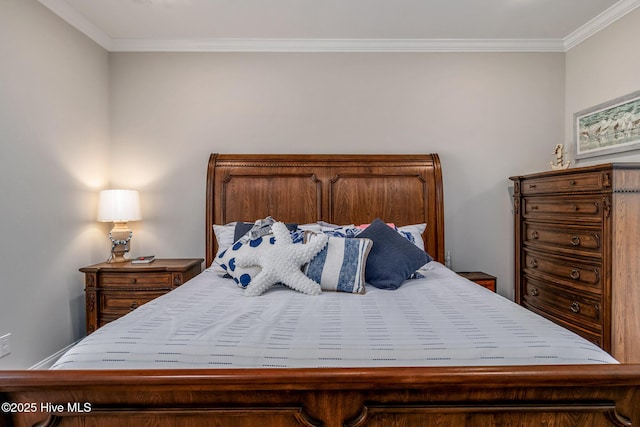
281, 263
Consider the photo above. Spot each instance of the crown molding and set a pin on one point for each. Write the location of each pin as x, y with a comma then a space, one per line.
339, 45
600, 22
75, 19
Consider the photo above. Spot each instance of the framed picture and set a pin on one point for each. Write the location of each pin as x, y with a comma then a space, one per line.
611, 127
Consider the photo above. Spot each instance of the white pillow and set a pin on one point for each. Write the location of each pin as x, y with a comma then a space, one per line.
224, 235
413, 233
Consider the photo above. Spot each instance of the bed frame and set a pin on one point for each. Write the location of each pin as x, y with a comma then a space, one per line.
342, 189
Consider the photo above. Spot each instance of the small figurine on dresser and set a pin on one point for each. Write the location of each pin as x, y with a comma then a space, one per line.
559, 164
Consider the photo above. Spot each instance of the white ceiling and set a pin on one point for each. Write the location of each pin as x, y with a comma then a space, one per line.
337, 25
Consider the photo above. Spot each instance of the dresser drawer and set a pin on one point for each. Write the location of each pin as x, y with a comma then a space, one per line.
114, 303
594, 337
574, 209
124, 280
568, 240
570, 272
566, 183
574, 308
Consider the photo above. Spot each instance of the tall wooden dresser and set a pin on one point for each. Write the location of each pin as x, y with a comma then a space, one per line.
577, 252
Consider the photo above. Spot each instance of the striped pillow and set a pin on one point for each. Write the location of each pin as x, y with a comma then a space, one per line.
340, 265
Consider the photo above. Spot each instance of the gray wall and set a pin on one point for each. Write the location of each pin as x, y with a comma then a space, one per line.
602, 68
489, 116
54, 135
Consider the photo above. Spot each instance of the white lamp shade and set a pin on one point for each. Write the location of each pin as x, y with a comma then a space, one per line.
119, 206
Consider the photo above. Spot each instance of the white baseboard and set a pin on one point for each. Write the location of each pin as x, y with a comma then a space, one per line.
49, 361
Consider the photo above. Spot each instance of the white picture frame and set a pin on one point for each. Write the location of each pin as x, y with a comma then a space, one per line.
610, 127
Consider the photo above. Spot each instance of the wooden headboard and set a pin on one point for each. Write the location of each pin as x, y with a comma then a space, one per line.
340, 189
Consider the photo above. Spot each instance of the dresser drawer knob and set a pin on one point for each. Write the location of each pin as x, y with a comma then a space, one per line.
533, 207
574, 208
535, 235
532, 186
134, 305
575, 307
534, 292
575, 274
572, 182
133, 280
575, 241
533, 263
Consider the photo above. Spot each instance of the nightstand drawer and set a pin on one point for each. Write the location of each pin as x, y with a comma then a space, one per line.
113, 290
122, 303
148, 280
564, 184
483, 279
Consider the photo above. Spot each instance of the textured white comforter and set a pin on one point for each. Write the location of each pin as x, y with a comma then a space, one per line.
440, 320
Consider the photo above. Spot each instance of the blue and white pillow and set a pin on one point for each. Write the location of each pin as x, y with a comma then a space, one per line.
346, 231
243, 275
340, 266
226, 235
412, 233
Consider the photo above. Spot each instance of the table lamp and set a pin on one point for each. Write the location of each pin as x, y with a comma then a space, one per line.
119, 207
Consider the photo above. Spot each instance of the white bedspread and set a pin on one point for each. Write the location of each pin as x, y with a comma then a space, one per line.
441, 320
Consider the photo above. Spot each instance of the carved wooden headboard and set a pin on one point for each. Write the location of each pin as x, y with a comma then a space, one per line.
340, 189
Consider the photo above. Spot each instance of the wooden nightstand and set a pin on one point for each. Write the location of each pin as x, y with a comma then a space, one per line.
113, 290
482, 279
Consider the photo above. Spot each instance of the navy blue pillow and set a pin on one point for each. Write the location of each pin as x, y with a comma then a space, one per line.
392, 259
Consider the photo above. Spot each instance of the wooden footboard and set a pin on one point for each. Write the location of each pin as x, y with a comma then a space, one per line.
593, 395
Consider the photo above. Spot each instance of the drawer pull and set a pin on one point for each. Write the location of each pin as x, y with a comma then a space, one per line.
134, 305
572, 182
533, 263
575, 307
133, 280
574, 208
532, 186
575, 241
534, 292
534, 207
535, 235
575, 274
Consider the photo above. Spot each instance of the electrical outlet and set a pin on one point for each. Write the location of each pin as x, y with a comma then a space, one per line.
5, 345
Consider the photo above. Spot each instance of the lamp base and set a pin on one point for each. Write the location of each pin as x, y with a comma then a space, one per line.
116, 257
120, 236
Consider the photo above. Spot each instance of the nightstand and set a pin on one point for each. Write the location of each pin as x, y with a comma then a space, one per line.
113, 290
482, 279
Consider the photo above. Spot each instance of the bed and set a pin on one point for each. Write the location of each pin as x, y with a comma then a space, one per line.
338, 189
